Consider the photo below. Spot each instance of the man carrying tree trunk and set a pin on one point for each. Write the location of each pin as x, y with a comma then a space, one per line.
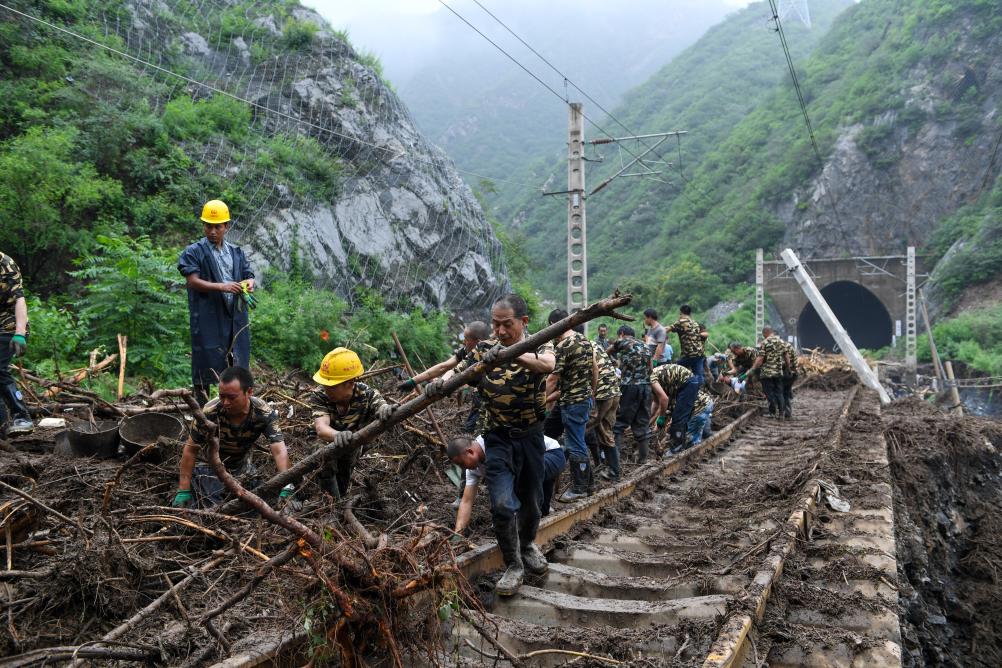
574, 380
342, 407
13, 343
514, 399
220, 282
242, 419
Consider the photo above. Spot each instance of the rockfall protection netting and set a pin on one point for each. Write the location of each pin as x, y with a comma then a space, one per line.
382, 208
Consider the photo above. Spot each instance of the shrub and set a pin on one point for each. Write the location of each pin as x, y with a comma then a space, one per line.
298, 35
132, 288
185, 118
296, 324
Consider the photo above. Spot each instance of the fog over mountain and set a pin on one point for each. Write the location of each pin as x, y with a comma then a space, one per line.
491, 116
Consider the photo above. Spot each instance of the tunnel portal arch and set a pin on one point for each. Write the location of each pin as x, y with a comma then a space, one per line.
863, 315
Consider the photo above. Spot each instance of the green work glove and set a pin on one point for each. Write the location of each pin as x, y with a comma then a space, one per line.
18, 344
407, 385
287, 491
182, 499
661, 421
248, 297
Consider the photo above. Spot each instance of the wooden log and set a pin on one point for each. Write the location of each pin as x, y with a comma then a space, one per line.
80, 375
365, 435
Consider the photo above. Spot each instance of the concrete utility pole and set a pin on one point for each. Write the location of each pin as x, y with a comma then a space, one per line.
838, 332
577, 249
759, 294
911, 356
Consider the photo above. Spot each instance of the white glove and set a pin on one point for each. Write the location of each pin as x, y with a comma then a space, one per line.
385, 411
342, 439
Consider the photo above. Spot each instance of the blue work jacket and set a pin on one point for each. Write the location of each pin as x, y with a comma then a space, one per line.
216, 327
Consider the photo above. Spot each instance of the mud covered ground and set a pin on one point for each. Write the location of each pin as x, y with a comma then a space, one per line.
948, 518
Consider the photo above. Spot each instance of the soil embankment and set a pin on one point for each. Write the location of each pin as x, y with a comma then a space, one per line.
947, 475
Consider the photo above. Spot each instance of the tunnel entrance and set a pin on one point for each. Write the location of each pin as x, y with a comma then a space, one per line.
860, 311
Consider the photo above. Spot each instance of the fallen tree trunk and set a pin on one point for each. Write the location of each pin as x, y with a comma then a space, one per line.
604, 307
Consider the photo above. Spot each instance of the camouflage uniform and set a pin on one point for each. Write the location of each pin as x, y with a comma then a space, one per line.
514, 403
745, 361
11, 290
237, 440
361, 410
634, 357
235, 444
599, 433
774, 354
574, 364
691, 345
685, 397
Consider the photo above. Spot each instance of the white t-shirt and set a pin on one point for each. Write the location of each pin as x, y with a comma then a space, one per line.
474, 476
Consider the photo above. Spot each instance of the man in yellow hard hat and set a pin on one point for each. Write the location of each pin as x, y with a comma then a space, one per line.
343, 405
216, 273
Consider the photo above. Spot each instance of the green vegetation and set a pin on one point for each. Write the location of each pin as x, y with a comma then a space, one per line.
747, 152
98, 197
978, 256
128, 286
972, 337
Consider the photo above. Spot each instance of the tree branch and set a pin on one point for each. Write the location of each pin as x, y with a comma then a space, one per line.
604, 307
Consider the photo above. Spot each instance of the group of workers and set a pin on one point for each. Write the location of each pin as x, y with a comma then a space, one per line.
567, 404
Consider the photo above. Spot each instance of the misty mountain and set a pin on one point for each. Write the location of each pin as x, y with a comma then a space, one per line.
492, 118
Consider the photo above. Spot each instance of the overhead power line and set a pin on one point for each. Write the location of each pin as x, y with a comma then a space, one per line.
803, 107
562, 98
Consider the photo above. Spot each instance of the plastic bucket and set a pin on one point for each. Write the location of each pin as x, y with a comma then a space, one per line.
139, 431
94, 440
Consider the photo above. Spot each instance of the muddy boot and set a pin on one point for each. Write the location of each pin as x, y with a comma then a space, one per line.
534, 559
643, 449
611, 472
579, 482
515, 572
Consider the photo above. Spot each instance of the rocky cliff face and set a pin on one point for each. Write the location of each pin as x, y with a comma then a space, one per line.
400, 220
895, 175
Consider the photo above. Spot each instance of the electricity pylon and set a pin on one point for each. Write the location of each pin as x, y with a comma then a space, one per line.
796, 8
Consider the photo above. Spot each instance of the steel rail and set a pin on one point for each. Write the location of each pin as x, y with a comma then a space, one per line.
487, 557
732, 643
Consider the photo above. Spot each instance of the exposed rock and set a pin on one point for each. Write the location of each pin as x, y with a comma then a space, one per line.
195, 45
894, 192
402, 221
719, 312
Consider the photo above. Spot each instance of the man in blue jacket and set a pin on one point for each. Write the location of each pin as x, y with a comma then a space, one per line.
219, 281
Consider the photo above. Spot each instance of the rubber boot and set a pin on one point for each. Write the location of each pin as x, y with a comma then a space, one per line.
643, 449
534, 560
611, 472
579, 482
515, 571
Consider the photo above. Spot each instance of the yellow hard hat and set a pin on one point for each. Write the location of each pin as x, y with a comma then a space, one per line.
215, 212
339, 365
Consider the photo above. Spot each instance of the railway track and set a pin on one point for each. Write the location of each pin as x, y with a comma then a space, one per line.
684, 564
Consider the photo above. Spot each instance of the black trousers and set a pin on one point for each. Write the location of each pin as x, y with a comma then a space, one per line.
773, 388
634, 412
515, 482
10, 397
788, 391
